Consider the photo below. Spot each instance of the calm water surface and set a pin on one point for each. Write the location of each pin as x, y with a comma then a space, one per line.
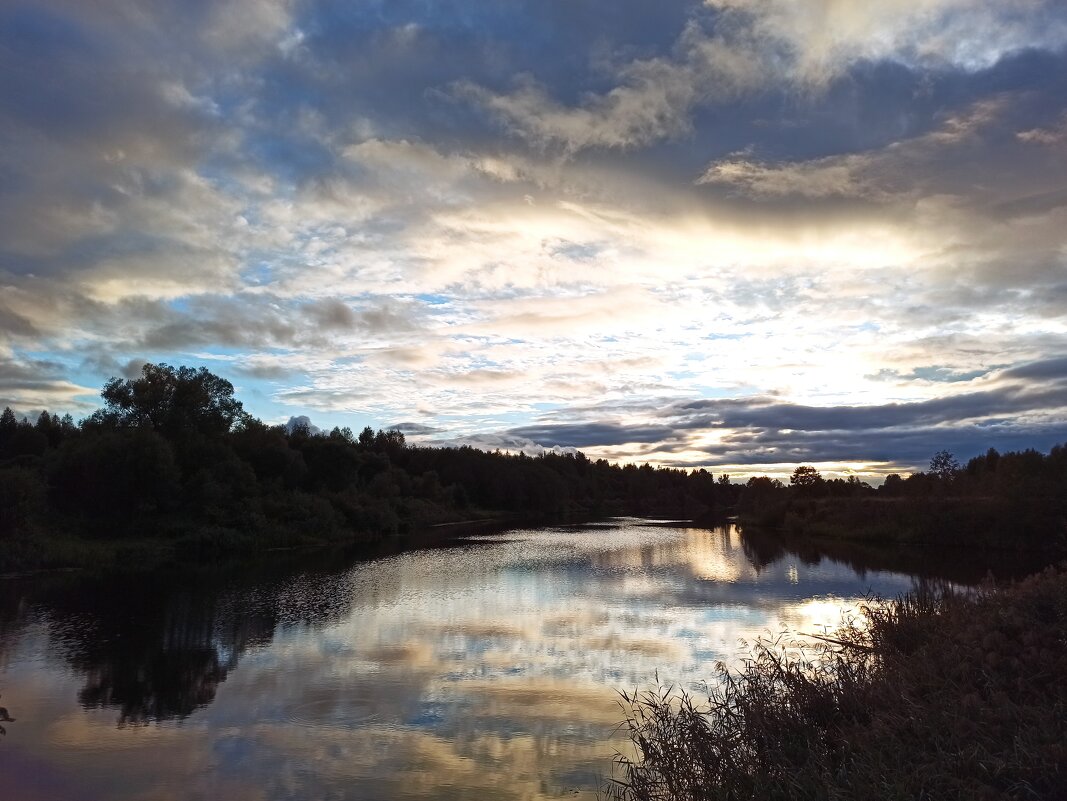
488, 670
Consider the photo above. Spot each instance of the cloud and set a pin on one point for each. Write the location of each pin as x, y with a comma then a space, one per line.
1052, 135
820, 38
507, 442
14, 324
900, 168
906, 450
302, 422
547, 225
581, 435
653, 101
1010, 408
107, 365
30, 385
748, 46
413, 429
934, 373
653, 105
1054, 369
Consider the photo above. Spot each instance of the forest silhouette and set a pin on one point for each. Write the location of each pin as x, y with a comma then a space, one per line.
173, 468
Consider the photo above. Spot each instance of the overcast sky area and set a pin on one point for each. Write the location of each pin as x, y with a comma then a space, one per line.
740, 234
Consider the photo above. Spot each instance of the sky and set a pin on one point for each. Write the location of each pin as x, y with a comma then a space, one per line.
734, 234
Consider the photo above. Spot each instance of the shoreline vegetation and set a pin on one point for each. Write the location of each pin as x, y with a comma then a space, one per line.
1012, 501
173, 470
934, 695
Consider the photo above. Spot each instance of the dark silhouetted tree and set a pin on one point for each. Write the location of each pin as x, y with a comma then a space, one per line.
9, 426
25, 441
807, 480
366, 438
893, 486
172, 401
944, 465
805, 476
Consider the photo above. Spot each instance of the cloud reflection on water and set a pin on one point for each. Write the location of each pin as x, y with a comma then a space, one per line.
481, 671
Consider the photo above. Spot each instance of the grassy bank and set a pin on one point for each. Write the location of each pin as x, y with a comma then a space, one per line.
187, 545
930, 696
984, 523
1013, 501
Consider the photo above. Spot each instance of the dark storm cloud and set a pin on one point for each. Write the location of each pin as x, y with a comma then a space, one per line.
82, 109
386, 49
910, 448
584, 435
228, 323
763, 430
1032, 205
965, 406
331, 314
351, 58
1047, 369
386, 70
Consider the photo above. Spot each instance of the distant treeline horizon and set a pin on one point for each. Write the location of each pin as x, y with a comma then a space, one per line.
173, 467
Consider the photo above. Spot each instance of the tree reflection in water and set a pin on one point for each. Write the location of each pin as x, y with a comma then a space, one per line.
158, 647
162, 685
957, 565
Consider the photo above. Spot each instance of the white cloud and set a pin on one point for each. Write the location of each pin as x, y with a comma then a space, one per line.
822, 37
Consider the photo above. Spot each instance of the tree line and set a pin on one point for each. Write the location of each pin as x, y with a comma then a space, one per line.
1015, 500
173, 458
172, 461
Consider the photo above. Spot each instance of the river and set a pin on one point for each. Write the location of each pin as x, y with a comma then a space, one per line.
485, 670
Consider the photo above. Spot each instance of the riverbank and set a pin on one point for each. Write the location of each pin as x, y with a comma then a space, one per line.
949, 696
1008, 524
169, 541
199, 547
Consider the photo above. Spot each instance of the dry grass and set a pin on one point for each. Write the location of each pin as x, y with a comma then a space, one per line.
931, 696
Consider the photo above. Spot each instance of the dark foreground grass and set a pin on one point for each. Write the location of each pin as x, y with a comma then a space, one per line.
937, 696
